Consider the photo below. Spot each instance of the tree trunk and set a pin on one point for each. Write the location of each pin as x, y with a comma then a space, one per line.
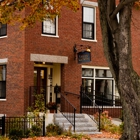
117, 48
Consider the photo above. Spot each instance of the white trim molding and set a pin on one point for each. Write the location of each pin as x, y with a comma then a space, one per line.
4, 61
89, 3
49, 58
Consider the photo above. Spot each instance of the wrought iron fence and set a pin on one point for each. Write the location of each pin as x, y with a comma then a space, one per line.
24, 124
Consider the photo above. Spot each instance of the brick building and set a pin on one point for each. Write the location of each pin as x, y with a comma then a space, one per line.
47, 54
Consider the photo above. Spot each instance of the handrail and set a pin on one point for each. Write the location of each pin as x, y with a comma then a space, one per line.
68, 110
88, 110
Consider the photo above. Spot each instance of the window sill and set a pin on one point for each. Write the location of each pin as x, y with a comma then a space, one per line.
55, 36
89, 40
3, 36
2, 99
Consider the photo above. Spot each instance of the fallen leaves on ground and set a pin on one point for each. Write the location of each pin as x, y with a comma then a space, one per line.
102, 135
106, 135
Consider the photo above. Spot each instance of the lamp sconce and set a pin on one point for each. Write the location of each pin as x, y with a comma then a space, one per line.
80, 48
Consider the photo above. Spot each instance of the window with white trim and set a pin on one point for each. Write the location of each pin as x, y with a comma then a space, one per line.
2, 81
99, 85
3, 29
50, 26
88, 23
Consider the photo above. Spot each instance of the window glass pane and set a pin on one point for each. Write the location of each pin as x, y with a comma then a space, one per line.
2, 73
88, 14
3, 29
2, 89
87, 31
104, 90
87, 72
88, 90
103, 73
49, 26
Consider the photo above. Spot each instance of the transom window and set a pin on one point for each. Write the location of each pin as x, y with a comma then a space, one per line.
2, 81
88, 23
3, 29
99, 85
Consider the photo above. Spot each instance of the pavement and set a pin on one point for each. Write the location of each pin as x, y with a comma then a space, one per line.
103, 139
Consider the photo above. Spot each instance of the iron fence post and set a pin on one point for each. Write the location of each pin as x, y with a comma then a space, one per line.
102, 101
3, 125
74, 120
81, 96
99, 119
43, 125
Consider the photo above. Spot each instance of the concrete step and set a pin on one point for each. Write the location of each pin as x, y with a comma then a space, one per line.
83, 124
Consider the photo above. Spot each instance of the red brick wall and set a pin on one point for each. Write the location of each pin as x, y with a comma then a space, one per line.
12, 48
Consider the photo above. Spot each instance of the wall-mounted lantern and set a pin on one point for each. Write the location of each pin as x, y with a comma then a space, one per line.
82, 53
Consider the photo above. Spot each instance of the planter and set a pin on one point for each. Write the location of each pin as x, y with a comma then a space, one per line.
52, 110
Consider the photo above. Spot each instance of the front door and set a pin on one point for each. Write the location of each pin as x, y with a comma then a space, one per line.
40, 76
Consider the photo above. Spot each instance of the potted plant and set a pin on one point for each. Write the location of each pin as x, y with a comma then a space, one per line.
51, 105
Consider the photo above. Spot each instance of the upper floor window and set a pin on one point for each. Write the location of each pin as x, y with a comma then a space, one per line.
3, 29
2, 81
88, 27
50, 26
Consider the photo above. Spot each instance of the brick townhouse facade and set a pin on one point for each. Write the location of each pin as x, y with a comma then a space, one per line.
47, 54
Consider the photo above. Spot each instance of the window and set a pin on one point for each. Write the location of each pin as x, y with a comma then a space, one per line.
49, 27
88, 27
2, 81
3, 29
99, 84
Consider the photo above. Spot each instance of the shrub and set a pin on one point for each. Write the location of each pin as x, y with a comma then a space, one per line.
34, 131
106, 123
53, 129
4, 138
16, 134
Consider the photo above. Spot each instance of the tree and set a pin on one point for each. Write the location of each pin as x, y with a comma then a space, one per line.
12, 11
116, 36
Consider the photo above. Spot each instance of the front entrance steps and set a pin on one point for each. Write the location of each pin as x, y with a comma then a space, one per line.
83, 124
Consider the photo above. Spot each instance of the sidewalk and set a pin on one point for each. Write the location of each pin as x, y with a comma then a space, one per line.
103, 139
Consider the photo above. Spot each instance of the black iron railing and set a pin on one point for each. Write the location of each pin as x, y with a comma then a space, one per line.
24, 124
88, 107
68, 110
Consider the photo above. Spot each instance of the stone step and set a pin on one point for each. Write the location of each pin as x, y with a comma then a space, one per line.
77, 124
82, 123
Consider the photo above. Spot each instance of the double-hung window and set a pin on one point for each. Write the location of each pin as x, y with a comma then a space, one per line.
50, 27
88, 23
3, 29
2, 81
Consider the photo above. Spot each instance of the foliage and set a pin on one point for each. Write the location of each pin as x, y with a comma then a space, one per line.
34, 131
12, 11
14, 124
38, 106
53, 130
4, 138
106, 123
16, 134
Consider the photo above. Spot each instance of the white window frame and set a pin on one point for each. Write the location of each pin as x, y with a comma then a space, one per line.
106, 78
56, 30
90, 5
